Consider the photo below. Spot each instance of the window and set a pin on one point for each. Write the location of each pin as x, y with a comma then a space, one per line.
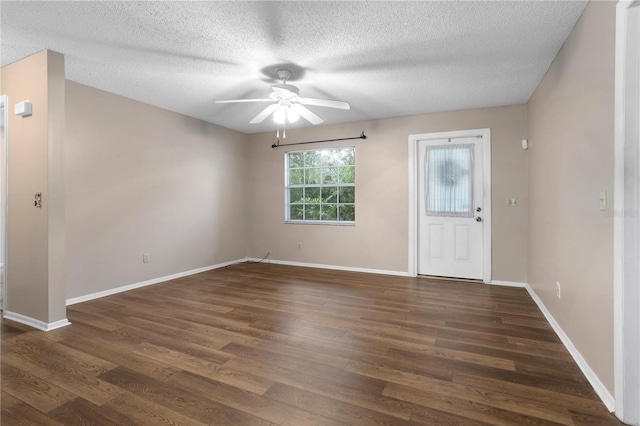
449, 180
320, 186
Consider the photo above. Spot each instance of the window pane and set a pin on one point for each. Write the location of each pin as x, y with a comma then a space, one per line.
337, 157
347, 194
296, 159
349, 156
312, 212
449, 183
312, 195
348, 174
312, 158
296, 212
346, 212
296, 177
329, 212
329, 194
330, 175
330, 157
312, 177
296, 195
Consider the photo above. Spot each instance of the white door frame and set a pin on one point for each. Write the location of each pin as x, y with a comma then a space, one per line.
486, 198
626, 216
4, 198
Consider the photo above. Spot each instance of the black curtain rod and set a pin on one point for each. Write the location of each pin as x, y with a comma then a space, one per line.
277, 144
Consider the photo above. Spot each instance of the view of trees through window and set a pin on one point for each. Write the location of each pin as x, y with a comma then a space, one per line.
320, 185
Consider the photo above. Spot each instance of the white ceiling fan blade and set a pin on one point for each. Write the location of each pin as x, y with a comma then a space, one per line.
308, 115
323, 102
264, 114
232, 101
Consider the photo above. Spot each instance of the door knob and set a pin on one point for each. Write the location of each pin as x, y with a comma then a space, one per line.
478, 219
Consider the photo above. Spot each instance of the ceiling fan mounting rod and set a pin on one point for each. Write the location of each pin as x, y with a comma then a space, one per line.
284, 75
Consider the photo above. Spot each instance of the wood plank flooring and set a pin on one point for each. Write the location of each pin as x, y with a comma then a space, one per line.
262, 344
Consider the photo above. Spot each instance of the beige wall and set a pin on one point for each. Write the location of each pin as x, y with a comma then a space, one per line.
145, 180
379, 240
571, 161
36, 237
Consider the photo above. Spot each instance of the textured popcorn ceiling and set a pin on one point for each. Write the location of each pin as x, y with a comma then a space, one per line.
386, 59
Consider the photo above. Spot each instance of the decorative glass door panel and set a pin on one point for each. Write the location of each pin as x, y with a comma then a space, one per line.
449, 180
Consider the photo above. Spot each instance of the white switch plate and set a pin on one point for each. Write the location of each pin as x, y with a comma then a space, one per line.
512, 202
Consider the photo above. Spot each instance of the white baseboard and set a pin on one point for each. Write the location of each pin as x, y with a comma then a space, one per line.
508, 283
591, 376
598, 386
32, 322
128, 287
333, 267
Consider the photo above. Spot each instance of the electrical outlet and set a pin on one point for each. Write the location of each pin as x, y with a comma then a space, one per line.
299, 246
145, 257
558, 291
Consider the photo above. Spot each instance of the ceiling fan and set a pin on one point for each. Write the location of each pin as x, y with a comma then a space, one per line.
289, 105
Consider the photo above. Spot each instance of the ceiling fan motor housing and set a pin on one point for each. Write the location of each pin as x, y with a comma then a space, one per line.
284, 91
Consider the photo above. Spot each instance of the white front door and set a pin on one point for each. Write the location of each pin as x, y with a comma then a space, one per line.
450, 207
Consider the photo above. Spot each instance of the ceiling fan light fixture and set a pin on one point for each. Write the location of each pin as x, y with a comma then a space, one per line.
292, 116
280, 115
288, 105
285, 113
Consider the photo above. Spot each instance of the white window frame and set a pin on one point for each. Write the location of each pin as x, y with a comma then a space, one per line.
287, 201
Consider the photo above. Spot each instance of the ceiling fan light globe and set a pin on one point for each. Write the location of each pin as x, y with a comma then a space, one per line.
279, 116
292, 116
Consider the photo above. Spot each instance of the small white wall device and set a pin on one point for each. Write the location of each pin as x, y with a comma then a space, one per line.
24, 109
525, 144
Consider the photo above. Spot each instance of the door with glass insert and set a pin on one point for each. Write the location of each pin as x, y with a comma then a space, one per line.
450, 226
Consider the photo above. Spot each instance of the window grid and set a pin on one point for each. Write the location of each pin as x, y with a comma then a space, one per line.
320, 186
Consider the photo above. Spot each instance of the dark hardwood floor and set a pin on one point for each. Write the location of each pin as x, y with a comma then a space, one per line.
261, 344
